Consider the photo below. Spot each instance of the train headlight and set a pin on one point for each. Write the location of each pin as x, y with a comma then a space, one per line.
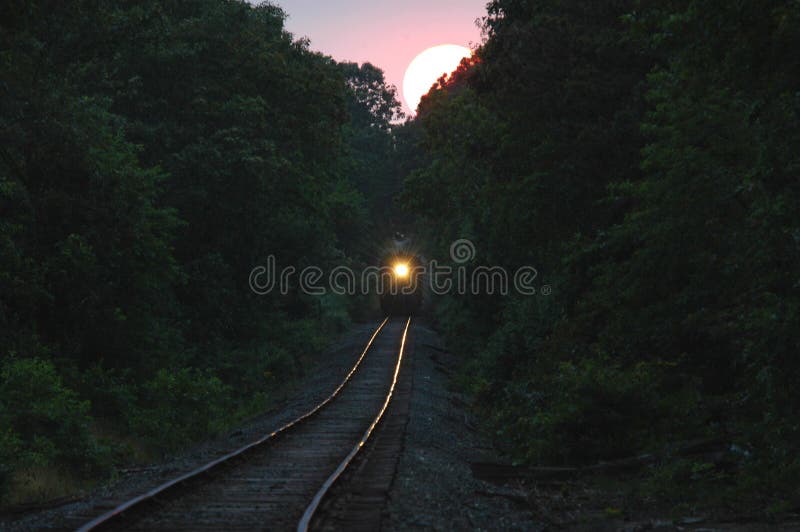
401, 270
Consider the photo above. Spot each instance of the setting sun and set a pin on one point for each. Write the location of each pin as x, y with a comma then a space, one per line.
429, 66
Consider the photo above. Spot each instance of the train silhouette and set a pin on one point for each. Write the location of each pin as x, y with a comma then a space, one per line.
402, 278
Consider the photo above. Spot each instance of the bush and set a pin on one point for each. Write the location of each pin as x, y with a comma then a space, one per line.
180, 406
44, 424
111, 392
549, 403
593, 410
10, 447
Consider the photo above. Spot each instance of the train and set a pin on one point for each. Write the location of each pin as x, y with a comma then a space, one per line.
402, 279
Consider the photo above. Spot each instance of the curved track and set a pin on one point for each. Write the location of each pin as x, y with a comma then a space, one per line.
279, 481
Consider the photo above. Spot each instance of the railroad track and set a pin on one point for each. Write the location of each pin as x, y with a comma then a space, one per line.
327, 469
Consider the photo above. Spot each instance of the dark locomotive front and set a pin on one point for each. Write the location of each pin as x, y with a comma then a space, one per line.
402, 279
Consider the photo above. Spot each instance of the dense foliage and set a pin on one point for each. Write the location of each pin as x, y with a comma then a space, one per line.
644, 157
642, 154
152, 155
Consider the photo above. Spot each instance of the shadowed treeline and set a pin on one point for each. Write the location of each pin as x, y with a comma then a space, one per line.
644, 157
153, 154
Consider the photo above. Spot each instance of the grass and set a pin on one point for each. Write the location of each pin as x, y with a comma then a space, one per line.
37, 485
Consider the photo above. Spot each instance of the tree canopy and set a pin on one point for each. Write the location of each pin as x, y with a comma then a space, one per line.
643, 156
152, 155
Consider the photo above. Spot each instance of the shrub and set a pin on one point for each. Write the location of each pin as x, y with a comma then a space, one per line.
44, 424
592, 410
180, 406
10, 447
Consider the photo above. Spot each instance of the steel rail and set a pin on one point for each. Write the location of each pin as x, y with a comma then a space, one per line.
116, 513
311, 509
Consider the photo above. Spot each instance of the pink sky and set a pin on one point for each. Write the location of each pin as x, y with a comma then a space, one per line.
388, 34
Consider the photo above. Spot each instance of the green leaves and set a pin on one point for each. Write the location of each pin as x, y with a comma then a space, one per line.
643, 155
153, 154
180, 405
44, 423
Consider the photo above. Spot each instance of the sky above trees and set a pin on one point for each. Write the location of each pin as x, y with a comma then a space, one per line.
387, 34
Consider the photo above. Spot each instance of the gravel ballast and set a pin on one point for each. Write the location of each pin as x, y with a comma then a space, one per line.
434, 488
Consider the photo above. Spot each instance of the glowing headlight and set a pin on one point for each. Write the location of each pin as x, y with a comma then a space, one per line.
401, 270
